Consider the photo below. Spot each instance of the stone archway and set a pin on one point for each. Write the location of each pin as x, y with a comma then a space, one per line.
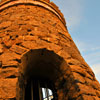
46, 65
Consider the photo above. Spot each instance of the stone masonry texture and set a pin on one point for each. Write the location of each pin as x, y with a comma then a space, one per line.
32, 25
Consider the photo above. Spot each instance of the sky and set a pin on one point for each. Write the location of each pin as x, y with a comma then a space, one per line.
83, 23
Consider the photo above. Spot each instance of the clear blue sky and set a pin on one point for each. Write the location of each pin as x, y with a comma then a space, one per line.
83, 22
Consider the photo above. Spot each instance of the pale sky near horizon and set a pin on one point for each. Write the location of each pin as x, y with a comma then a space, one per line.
83, 23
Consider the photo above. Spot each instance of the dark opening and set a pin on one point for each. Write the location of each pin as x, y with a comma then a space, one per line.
41, 69
40, 90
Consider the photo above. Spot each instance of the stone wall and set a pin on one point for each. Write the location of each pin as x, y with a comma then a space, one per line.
31, 25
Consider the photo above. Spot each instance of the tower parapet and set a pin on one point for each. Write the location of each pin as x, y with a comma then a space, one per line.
44, 3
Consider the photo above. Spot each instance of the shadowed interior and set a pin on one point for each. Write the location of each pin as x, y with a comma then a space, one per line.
42, 67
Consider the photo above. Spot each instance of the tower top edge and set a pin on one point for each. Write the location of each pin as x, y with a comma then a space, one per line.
46, 2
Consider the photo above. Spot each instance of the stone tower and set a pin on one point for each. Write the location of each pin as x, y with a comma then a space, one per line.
35, 46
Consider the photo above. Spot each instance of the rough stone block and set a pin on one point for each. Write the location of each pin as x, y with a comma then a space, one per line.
8, 88
5, 24
18, 49
73, 62
10, 64
78, 78
29, 44
84, 89
9, 72
87, 97
9, 56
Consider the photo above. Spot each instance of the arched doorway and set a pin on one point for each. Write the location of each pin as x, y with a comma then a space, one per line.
40, 71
